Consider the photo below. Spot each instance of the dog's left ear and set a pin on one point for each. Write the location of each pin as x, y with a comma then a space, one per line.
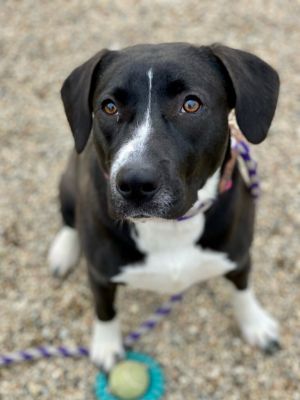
256, 87
76, 96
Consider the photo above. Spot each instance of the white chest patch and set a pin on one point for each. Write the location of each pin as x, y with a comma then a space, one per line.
174, 262
157, 235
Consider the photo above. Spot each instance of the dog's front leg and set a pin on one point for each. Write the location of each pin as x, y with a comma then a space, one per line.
257, 326
106, 345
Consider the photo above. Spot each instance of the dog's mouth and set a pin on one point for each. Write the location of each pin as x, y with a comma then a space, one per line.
121, 210
133, 213
137, 215
140, 218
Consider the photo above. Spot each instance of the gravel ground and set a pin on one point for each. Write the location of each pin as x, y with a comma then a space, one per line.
200, 347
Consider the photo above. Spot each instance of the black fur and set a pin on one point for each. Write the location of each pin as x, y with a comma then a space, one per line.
186, 148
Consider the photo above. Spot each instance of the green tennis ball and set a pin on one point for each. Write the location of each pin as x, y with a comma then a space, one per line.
128, 380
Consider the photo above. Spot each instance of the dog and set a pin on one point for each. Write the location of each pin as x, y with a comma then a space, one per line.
150, 125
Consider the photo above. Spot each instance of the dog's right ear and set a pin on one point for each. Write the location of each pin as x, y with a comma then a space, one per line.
76, 96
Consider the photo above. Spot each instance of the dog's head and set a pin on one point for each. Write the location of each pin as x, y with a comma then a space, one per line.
159, 117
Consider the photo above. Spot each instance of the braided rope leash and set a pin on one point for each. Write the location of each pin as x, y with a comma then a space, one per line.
240, 147
243, 150
40, 352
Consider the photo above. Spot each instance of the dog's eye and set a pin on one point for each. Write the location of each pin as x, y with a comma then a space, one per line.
191, 104
109, 107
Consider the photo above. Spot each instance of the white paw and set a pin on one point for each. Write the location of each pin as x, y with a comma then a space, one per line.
257, 326
262, 332
64, 252
106, 346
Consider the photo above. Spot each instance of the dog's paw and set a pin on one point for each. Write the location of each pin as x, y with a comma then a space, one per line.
261, 331
64, 252
257, 326
106, 346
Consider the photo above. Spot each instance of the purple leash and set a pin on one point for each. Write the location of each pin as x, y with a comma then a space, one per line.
163, 311
243, 150
77, 352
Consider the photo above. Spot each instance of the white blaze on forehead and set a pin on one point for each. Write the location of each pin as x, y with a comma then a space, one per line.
137, 144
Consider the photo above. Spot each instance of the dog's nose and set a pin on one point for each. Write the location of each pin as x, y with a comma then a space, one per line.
137, 184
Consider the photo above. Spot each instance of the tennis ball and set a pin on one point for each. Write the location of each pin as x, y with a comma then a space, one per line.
128, 380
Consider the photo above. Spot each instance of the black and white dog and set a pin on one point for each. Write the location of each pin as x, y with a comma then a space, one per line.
160, 139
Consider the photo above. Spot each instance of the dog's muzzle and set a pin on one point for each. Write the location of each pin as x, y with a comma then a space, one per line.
140, 190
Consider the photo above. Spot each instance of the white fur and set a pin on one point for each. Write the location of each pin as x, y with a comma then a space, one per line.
106, 346
156, 235
207, 192
175, 270
257, 326
210, 189
135, 147
174, 261
64, 252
